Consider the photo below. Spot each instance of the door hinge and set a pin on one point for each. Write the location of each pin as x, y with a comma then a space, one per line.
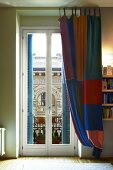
74, 147
22, 147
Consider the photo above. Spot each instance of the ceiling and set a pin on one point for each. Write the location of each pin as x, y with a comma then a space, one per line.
56, 3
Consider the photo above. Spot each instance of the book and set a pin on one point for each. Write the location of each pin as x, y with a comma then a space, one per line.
104, 71
109, 70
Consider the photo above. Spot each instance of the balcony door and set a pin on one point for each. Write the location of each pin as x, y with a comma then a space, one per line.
46, 125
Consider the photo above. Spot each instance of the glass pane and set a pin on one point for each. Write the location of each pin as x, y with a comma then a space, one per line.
60, 116
36, 124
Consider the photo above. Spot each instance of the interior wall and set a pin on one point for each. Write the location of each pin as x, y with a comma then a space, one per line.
107, 30
34, 21
8, 77
17, 82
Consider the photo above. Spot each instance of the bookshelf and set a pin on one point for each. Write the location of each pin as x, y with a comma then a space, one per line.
107, 97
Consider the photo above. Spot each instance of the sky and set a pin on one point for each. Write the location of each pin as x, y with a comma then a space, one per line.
40, 45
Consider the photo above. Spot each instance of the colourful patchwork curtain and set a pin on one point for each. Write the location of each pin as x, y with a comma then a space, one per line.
81, 43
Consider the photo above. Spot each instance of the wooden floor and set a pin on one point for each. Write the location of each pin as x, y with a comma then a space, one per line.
75, 159
22, 162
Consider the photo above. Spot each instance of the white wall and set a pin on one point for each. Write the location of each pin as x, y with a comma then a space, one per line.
17, 82
107, 30
31, 21
8, 77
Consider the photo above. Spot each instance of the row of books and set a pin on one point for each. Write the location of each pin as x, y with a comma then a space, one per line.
107, 98
107, 113
107, 84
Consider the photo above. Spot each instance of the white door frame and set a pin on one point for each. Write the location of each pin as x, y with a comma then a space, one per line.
48, 148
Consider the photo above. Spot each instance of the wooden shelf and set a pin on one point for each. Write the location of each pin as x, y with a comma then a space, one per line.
107, 104
107, 113
108, 119
105, 76
106, 90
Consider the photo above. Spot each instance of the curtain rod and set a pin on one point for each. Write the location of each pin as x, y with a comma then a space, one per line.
78, 8
70, 8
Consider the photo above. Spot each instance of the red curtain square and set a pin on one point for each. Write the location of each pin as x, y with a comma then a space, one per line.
92, 91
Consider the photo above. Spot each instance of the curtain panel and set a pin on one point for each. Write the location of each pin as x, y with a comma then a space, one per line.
81, 43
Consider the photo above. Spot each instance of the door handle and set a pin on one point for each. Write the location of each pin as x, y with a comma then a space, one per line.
49, 110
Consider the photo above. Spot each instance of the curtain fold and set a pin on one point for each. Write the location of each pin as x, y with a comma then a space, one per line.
81, 43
